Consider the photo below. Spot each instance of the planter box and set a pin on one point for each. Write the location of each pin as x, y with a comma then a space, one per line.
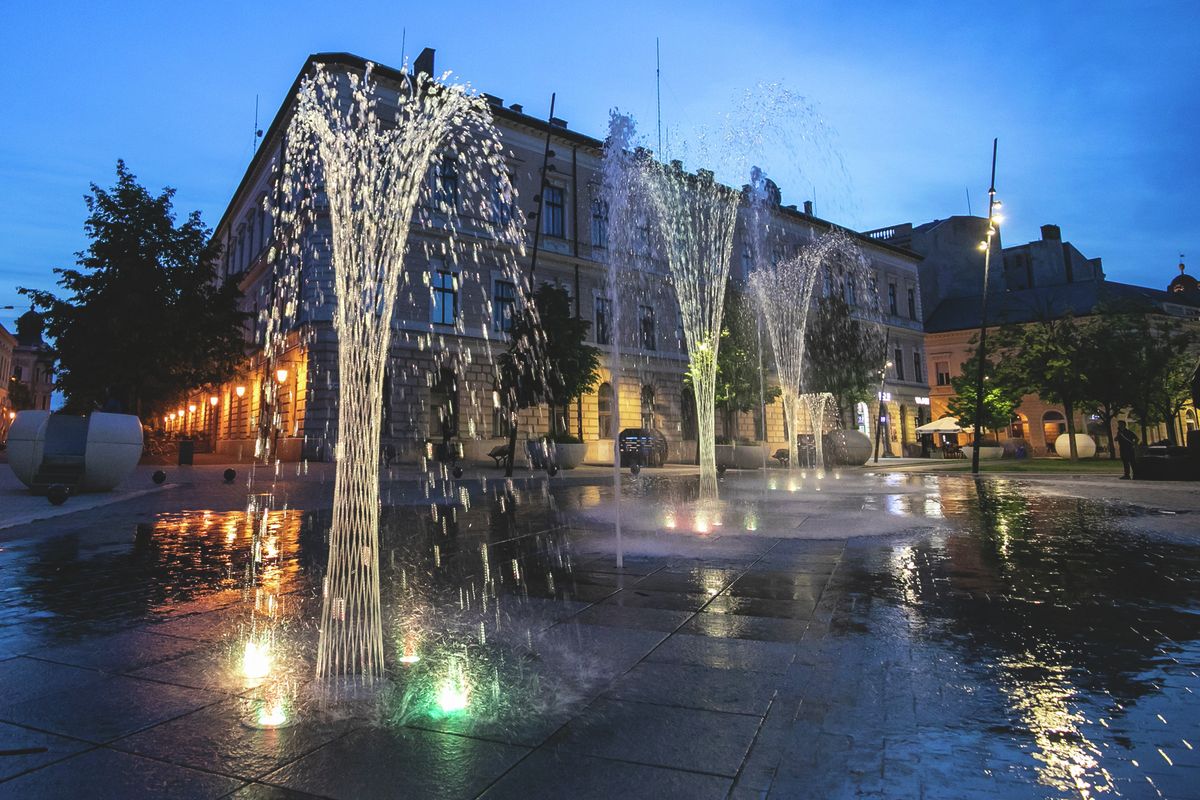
986, 453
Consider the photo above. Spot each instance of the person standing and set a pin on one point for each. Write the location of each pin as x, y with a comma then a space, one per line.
1126, 442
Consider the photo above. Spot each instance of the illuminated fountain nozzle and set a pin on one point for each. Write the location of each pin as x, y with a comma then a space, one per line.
273, 714
256, 660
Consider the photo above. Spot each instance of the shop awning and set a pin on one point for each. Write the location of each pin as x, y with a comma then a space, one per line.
943, 425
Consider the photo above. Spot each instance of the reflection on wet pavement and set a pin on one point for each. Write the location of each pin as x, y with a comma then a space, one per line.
994, 643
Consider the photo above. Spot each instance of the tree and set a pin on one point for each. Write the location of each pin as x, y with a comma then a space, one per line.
1161, 363
739, 387
20, 396
547, 360
1044, 359
1001, 395
843, 355
1108, 381
145, 319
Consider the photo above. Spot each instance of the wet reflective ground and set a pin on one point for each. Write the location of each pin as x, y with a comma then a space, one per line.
984, 641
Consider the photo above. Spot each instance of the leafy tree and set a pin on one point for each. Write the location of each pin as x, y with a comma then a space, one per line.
738, 375
20, 396
1161, 364
1044, 359
843, 355
547, 360
145, 319
1001, 395
1108, 381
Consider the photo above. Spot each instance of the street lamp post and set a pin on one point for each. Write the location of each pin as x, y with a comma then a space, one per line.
993, 221
887, 340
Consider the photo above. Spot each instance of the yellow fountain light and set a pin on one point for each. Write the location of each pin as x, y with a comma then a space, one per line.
256, 660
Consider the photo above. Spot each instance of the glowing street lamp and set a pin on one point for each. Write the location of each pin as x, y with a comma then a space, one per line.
240, 391
993, 220
212, 401
191, 408
281, 375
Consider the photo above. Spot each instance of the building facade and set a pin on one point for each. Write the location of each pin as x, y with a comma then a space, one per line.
1045, 278
451, 320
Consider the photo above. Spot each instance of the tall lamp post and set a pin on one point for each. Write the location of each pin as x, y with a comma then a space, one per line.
881, 415
986, 245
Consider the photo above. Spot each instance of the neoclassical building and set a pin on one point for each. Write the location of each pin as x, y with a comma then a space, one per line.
450, 326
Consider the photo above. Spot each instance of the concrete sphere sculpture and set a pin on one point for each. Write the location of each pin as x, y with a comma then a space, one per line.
1084, 444
107, 445
848, 447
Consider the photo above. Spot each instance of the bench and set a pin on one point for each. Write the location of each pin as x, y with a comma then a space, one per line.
499, 454
781, 455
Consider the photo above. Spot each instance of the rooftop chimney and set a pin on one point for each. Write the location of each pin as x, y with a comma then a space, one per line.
558, 123
493, 100
517, 107
808, 207
1051, 233
424, 63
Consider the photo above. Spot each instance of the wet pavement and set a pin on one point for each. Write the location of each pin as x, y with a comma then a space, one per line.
867, 636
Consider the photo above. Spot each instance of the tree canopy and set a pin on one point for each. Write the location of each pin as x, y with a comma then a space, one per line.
144, 319
843, 355
738, 374
1001, 395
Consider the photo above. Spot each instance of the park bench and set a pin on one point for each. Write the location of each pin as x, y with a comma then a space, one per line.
499, 454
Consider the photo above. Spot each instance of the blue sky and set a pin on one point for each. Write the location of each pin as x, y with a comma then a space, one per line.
1095, 104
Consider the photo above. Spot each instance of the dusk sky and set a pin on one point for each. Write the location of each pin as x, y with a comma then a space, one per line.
1095, 104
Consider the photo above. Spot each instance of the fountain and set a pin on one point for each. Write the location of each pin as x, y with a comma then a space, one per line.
786, 293
360, 155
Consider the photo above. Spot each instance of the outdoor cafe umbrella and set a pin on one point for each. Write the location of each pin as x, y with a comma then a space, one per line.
943, 425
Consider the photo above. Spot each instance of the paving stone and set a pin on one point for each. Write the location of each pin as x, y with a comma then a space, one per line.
108, 709
663, 736
119, 652
593, 653
645, 598
29, 678
218, 739
695, 581
22, 749
374, 762
102, 774
654, 619
551, 775
758, 607
708, 651
262, 791
738, 626
710, 688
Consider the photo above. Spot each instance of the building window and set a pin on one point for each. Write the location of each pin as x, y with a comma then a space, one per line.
603, 320
827, 283
648, 406
500, 422
918, 373
599, 223
604, 408
912, 303
502, 200
747, 259
895, 311
899, 356
851, 300
943, 372
504, 302
646, 327
443, 403
445, 185
554, 212
445, 297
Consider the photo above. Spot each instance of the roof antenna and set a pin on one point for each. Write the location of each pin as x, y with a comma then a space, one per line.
257, 130
967, 189
658, 97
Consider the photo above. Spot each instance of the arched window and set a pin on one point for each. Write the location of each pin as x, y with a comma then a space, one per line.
687, 413
604, 407
1054, 424
648, 406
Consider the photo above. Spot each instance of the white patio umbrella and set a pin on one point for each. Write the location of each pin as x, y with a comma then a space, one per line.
943, 425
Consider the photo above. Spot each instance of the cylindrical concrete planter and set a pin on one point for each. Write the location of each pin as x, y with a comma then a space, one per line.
110, 452
1085, 446
725, 456
567, 455
748, 456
